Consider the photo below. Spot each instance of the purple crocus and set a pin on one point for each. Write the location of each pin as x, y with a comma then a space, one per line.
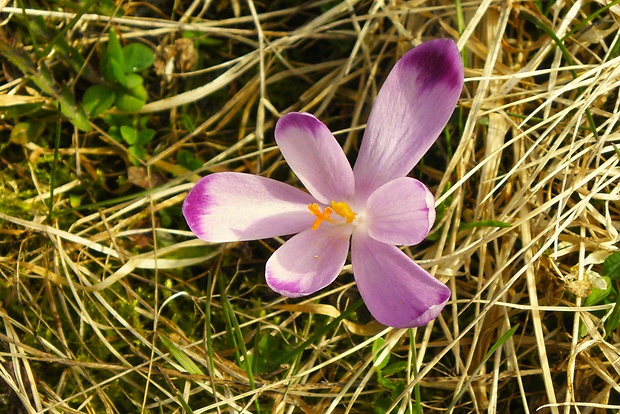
374, 205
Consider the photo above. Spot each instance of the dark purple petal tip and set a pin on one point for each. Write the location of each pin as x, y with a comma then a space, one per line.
302, 120
196, 205
436, 62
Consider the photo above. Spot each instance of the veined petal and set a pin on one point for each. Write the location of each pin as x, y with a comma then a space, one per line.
315, 156
413, 106
228, 206
308, 261
401, 211
396, 290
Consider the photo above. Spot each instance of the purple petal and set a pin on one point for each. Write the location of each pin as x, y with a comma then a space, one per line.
315, 156
411, 109
309, 261
396, 290
228, 206
401, 211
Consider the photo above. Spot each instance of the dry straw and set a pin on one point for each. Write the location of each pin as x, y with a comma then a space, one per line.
532, 144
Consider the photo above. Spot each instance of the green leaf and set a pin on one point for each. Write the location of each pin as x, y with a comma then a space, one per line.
115, 133
597, 295
187, 364
116, 69
136, 153
137, 57
131, 100
75, 200
129, 134
145, 136
112, 60
611, 324
376, 350
261, 359
395, 368
75, 113
133, 81
384, 382
117, 119
26, 132
114, 50
611, 266
97, 99
143, 122
187, 122
187, 160
106, 69
184, 157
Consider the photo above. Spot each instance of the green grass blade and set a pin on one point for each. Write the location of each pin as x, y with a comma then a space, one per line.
587, 20
485, 223
180, 356
54, 164
237, 336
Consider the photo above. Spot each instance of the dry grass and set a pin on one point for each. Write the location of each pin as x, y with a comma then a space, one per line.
111, 307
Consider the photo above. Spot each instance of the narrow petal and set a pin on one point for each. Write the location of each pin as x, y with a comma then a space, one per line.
309, 261
413, 106
401, 211
396, 290
226, 207
315, 156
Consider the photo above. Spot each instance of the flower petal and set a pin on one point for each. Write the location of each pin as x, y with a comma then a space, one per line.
396, 290
309, 261
228, 206
401, 211
315, 156
411, 109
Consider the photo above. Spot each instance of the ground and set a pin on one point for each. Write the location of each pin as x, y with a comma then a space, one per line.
110, 112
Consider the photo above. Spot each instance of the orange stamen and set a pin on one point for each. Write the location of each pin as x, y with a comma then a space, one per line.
341, 208
321, 216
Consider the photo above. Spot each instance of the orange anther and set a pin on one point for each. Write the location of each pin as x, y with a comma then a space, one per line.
340, 208
320, 215
343, 210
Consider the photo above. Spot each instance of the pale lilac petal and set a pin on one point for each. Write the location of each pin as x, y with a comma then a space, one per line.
413, 106
309, 261
396, 291
228, 206
315, 157
401, 211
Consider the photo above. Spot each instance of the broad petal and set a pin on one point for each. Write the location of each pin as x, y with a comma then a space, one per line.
401, 211
309, 261
413, 106
396, 290
226, 207
315, 156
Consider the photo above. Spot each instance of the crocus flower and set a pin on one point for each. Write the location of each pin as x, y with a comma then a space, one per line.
374, 206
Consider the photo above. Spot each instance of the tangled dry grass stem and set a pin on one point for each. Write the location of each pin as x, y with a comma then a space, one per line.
109, 303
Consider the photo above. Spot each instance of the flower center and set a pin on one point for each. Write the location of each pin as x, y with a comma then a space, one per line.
341, 208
